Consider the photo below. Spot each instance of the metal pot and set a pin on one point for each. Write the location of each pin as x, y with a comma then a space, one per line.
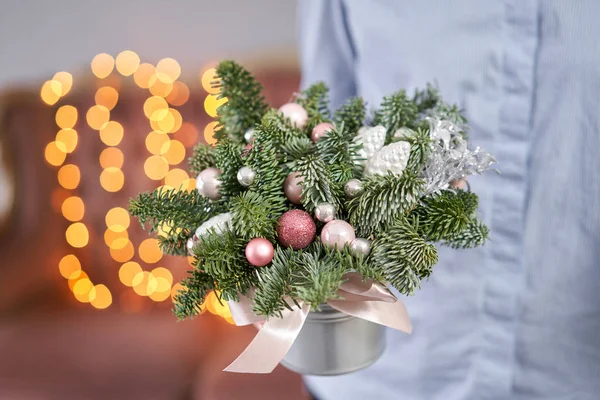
334, 343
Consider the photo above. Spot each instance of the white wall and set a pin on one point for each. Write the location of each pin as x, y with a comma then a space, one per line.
41, 37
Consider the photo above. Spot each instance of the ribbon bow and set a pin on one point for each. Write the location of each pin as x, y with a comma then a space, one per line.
360, 298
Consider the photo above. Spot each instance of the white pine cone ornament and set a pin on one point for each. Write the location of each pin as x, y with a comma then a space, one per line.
403, 133
372, 139
391, 158
220, 223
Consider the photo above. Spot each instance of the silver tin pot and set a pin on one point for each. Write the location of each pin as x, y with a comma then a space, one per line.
335, 343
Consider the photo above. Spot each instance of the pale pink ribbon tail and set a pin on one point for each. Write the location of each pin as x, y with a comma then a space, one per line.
242, 313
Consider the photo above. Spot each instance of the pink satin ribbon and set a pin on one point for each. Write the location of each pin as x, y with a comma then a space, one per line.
362, 299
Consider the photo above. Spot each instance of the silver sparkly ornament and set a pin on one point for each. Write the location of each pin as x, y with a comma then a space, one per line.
208, 183
372, 140
353, 187
360, 246
391, 158
245, 176
325, 212
249, 135
220, 223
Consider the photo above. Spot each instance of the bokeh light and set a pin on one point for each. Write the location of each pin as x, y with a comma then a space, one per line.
124, 253
168, 70
84, 290
103, 297
172, 122
66, 117
209, 133
111, 157
212, 103
177, 178
149, 251
102, 65
73, 209
157, 142
112, 179
115, 239
51, 92
54, 155
57, 197
209, 76
176, 153
117, 219
187, 134
75, 277
97, 116
66, 81
179, 94
69, 176
128, 271
111, 133
77, 235
156, 108
127, 62
156, 167
69, 266
107, 96
160, 88
144, 74
66, 140
144, 283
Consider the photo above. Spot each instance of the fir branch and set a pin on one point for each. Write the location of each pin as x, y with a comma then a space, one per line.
245, 104
280, 131
202, 158
187, 301
382, 200
395, 112
315, 100
364, 265
428, 98
252, 217
316, 278
338, 150
318, 185
175, 243
352, 114
274, 283
475, 234
297, 147
228, 155
420, 147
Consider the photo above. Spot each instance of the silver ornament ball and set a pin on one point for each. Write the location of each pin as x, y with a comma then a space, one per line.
245, 176
360, 247
337, 233
249, 135
208, 183
353, 187
325, 212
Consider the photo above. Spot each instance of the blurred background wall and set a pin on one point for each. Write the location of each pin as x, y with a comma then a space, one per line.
80, 317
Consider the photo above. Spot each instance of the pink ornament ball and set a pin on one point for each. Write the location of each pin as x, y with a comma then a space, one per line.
337, 233
296, 114
208, 183
321, 130
296, 229
259, 252
292, 187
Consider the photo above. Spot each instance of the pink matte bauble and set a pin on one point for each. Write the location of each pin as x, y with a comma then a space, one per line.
292, 187
296, 114
259, 252
337, 233
321, 130
296, 229
208, 183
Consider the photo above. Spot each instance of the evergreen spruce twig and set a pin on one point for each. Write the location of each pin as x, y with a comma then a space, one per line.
352, 114
187, 302
202, 158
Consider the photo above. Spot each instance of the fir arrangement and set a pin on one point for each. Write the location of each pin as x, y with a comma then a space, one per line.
289, 201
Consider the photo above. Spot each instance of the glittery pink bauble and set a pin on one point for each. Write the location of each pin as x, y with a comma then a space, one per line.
292, 188
295, 112
296, 229
259, 252
337, 233
320, 130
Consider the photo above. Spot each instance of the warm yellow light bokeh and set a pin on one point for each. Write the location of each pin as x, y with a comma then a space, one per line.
187, 134
107, 96
112, 179
159, 296
176, 152
160, 88
73, 209
115, 239
144, 283
124, 253
51, 92
149, 251
103, 297
66, 117
97, 116
102, 65
54, 155
84, 290
77, 235
127, 62
156, 167
111, 133
66, 140
69, 266
175, 290
164, 273
66, 81
144, 74
157, 142
212, 103
168, 70
209, 133
128, 271
172, 122
209, 76
111, 157
117, 219
69, 176
177, 178
75, 277
179, 95
156, 108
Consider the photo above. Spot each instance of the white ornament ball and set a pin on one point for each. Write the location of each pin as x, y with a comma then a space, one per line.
295, 113
249, 135
245, 176
360, 247
353, 187
391, 158
337, 233
325, 212
372, 139
220, 223
208, 183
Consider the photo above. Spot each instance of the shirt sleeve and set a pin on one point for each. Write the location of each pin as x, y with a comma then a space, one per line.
326, 51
